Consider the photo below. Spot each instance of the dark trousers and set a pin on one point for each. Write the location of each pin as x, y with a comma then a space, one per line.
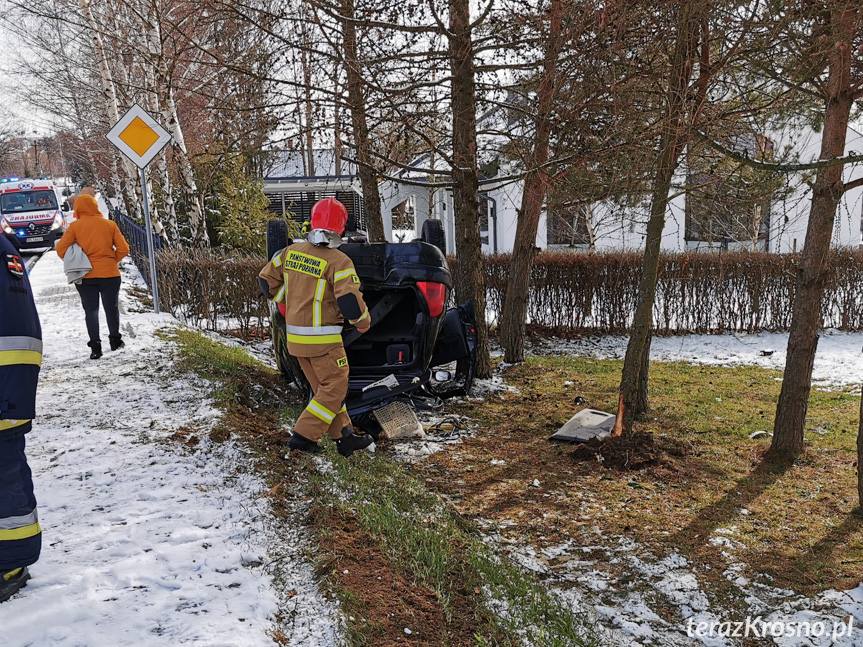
20, 535
109, 290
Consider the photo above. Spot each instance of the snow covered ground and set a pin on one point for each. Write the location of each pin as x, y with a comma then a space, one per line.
838, 363
627, 606
144, 541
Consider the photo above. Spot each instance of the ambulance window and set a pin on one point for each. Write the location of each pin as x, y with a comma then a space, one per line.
22, 201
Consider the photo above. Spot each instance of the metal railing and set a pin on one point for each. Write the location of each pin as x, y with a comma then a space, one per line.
136, 236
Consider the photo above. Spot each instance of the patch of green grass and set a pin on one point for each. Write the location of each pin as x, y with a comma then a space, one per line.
209, 358
255, 400
715, 404
439, 549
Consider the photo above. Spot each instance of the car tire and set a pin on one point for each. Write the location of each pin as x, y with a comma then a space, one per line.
277, 236
433, 234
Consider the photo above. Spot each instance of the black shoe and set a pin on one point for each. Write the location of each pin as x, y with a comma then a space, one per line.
303, 444
352, 442
12, 581
116, 342
96, 347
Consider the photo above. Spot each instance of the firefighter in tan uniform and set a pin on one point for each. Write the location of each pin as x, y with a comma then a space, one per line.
320, 289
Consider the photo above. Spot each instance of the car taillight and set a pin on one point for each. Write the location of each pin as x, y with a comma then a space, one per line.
435, 295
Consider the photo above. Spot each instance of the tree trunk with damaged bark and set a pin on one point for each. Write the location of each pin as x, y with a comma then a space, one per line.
514, 315
860, 459
634, 380
469, 279
793, 403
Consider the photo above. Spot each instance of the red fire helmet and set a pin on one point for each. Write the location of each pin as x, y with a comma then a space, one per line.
329, 214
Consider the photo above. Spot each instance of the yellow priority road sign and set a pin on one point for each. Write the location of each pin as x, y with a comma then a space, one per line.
138, 136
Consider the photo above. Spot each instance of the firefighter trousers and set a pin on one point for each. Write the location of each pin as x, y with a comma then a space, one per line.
326, 413
20, 534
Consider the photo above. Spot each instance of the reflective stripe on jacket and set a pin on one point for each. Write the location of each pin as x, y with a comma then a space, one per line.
20, 345
310, 280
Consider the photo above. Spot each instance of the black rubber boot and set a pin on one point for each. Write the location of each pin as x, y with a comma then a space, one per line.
116, 342
352, 441
303, 444
96, 348
12, 581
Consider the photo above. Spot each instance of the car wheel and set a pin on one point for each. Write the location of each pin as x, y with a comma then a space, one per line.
277, 236
433, 234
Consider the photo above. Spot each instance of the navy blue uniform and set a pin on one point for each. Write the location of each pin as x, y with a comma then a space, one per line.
20, 359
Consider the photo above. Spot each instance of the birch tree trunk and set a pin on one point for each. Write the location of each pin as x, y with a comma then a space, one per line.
169, 209
514, 315
357, 107
591, 229
109, 94
469, 283
793, 403
165, 92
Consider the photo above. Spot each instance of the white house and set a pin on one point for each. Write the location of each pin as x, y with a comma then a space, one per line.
624, 228
789, 217
412, 199
412, 196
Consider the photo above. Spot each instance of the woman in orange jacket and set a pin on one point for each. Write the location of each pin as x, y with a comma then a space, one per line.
105, 246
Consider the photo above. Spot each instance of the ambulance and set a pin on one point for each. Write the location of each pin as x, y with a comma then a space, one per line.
31, 211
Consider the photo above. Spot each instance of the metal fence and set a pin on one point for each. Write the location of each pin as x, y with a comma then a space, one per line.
136, 236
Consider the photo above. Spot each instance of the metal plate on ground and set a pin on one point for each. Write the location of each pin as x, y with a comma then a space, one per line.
586, 424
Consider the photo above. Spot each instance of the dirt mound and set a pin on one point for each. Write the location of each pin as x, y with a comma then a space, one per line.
629, 453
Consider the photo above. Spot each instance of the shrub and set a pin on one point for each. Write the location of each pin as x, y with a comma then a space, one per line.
570, 293
212, 290
697, 292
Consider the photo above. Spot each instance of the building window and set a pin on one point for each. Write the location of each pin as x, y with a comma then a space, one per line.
568, 225
728, 204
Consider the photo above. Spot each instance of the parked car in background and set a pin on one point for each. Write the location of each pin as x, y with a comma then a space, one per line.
417, 351
30, 209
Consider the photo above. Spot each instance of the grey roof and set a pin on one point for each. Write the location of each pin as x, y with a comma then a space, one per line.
289, 164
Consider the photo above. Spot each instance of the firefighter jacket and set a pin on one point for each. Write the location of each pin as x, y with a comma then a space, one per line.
20, 345
320, 289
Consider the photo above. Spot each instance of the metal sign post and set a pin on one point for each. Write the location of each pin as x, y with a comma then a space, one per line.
150, 251
140, 138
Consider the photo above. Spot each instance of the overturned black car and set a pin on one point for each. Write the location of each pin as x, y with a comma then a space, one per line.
417, 351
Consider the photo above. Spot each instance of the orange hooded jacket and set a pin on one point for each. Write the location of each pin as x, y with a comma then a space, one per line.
100, 239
